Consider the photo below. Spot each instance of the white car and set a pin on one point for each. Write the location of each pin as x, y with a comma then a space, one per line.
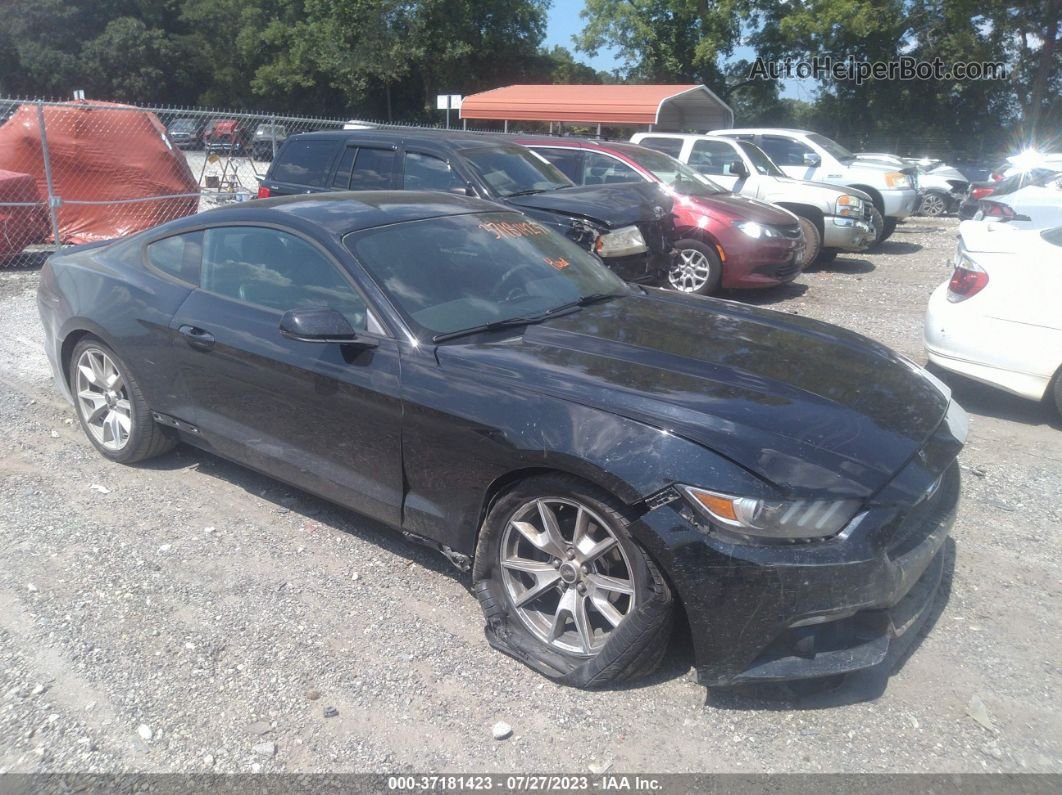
1031, 207
998, 319
1027, 161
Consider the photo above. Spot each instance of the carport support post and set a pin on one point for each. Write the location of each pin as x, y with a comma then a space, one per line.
53, 200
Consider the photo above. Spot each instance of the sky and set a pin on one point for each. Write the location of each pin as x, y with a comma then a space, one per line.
565, 22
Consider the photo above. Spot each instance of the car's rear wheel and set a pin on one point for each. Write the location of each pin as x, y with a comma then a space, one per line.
934, 203
111, 407
812, 241
697, 269
564, 587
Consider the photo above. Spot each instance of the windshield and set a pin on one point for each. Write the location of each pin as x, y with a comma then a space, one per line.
181, 125
514, 170
763, 164
461, 272
832, 147
271, 129
678, 176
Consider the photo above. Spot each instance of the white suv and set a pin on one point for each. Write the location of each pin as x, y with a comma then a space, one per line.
809, 156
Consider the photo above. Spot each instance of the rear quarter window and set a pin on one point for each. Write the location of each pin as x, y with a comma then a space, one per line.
305, 163
669, 146
179, 256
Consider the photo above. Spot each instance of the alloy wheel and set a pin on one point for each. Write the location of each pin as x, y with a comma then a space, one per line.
566, 574
932, 205
103, 399
691, 272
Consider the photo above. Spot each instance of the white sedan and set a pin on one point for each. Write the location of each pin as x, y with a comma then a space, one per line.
998, 319
1031, 207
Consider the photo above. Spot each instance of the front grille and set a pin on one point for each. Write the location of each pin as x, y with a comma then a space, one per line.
786, 270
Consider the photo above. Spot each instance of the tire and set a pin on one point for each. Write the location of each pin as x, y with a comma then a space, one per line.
826, 256
698, 269
1058, 391
934, 203
889, 228
118, 422
812, 241
533, 590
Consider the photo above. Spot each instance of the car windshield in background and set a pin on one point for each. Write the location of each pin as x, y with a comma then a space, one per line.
834, 148
763, 164
515, 171
678, 176
183, 125
463, 272
266, 130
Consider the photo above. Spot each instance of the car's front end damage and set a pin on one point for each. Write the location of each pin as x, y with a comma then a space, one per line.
762, 612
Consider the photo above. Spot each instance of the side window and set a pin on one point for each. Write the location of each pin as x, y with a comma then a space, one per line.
713, 157
305, 163
374, 169
346, 162
569, 161
275, 270
785, 152
601, 169
179, 256
424, 172
669, 146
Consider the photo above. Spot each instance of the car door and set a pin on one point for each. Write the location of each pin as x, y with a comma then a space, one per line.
422, 171
366, 165
794, 157
323, 416
303, 166
716, 160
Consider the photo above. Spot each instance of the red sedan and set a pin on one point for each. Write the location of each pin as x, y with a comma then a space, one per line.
726, 240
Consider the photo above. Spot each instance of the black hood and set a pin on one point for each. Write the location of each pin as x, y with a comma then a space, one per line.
613, 206
804, 405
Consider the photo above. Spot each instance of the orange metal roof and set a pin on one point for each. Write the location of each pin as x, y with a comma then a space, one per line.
681, 105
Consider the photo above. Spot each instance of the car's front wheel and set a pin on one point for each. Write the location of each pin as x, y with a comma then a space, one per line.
564, 587
111, 407
812, 241
697, 268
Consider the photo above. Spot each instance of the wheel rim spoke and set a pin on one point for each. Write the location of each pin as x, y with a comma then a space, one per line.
103, 399
588, 554
582, 624
606, 608
543, 582
605, 583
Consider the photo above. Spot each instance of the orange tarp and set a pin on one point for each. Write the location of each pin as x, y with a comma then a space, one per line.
602, 104
23, 217
106, 154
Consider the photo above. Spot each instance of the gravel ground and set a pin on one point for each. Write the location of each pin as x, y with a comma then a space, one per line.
190, 615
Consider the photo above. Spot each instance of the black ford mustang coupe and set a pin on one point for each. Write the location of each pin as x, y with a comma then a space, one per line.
595, 453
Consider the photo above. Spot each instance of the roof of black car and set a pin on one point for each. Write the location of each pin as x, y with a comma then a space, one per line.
456, 138
350, 211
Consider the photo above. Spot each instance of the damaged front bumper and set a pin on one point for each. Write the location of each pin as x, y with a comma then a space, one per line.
799, 611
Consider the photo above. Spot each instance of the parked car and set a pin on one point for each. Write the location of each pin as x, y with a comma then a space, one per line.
997, 189
226, 136
724, 240
186, 133
1036, 206
942, 187
832, 219
809, 156
997, 318
629, 226
596, 454
267, 140
1026, 161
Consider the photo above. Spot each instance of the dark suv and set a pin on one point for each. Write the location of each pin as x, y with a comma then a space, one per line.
629, 226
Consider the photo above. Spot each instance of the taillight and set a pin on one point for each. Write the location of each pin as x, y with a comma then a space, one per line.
990, 209
980, 193
967, 280
263, 192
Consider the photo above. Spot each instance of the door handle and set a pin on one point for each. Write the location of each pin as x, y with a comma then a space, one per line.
196, 337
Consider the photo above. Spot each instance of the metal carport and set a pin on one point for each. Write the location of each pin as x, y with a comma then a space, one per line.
661, 107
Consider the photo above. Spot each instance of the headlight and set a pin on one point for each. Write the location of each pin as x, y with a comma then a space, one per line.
777, 519
897, 179
621, 243
849, 207
753, 229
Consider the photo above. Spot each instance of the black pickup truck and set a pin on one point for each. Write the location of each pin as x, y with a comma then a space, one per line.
629, 226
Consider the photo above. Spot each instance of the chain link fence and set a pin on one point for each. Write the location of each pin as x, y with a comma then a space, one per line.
78, 172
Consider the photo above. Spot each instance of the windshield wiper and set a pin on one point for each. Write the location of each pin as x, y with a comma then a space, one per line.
529, 192
509, 322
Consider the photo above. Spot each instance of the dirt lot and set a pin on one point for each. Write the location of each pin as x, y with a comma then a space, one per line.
191, 615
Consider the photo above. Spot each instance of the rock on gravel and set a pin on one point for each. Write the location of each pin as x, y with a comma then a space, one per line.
265, 749
502, 730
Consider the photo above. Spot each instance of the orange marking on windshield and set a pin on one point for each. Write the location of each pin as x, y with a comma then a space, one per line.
560, 263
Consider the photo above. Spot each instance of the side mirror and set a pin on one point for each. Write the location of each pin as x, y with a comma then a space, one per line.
318, 325
737, 169
811, 159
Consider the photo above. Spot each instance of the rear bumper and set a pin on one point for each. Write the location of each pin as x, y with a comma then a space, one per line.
800, 611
